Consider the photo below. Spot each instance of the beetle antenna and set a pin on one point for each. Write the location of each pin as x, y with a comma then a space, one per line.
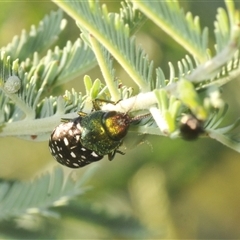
140, 117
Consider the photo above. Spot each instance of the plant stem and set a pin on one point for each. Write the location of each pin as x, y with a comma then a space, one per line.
33, 127
29, 112
105, 69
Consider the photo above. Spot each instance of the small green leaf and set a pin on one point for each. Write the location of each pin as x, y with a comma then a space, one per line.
88, 84
188, 95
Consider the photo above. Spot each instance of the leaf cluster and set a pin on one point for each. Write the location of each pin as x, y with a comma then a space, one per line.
31, 73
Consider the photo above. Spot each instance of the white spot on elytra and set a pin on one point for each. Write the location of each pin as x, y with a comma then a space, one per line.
73, 154
66, 141
94, 154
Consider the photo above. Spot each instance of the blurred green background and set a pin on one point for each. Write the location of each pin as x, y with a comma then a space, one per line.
174, 189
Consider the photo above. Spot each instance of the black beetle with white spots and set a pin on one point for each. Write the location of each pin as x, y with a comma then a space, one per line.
66, 147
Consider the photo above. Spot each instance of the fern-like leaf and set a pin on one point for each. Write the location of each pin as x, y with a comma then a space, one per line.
131, 16
75, 60
184, 29
38, 39
111, 32
38, 77
49, 190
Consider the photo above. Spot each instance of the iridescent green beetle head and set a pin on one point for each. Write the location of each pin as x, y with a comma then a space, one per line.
116, 124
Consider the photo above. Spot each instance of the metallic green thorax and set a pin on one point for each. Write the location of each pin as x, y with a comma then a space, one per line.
102, 132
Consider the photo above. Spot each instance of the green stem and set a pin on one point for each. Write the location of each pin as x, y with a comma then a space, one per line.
105, 70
